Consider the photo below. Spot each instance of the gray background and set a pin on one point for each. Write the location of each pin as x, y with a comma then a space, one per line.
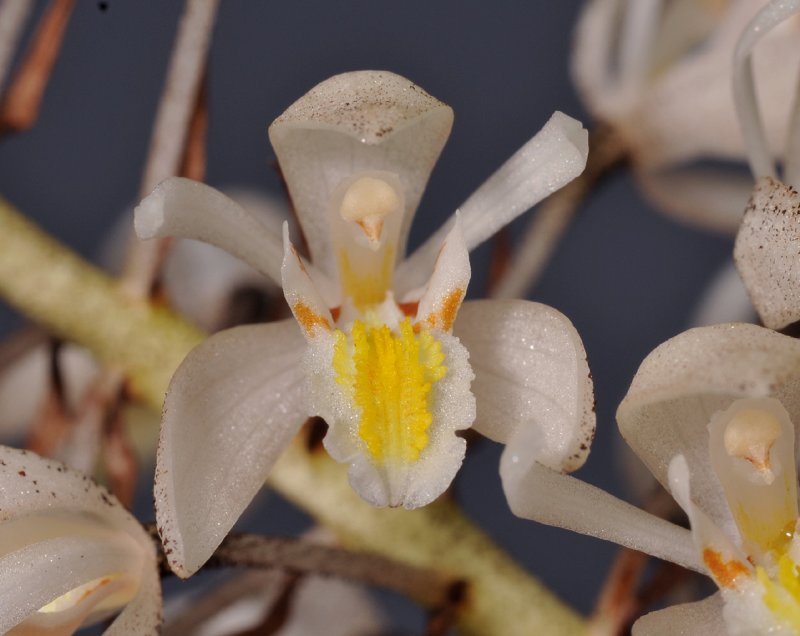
625, 275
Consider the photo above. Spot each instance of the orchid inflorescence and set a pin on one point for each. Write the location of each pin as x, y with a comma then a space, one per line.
385, 351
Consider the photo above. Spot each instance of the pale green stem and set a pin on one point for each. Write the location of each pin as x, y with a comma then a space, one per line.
75, 300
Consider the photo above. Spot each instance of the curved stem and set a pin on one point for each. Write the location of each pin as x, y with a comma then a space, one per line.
75, 300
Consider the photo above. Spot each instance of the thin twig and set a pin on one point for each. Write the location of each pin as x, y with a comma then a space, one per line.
548, 226
617, 600
300, 556
13, 16
21, 103
168, 142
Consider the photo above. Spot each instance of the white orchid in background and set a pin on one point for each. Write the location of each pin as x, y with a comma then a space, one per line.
658, 72
766, 245
70, 554
373, 349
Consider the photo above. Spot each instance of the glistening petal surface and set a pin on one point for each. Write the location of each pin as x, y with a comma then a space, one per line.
183, 208
551, 159
547, 496
231, 408
357, 122
48, 511
530, 373
766, 252
683, 382
703, 618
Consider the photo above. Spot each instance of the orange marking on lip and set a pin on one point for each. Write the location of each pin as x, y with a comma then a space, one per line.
87, 593
446, 316
309, 319
724, 572
409, 309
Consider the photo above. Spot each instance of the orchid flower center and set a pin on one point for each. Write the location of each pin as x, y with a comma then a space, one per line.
752, 453
388, 377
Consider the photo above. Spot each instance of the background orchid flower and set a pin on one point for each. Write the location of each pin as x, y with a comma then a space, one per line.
70, 554
658, 72
373, 349
765, 251
713, 413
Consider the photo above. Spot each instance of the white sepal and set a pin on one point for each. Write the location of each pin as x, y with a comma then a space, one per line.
232, 407
353, 123
702, 618
551, 159
685, 380
183, 208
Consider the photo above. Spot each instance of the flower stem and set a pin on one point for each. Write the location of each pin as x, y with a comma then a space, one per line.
75, 300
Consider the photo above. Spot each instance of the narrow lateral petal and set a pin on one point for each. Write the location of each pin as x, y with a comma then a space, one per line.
703, 618
447, 287
305, 301
683, 382
183, 208
231, 408
356, 123
532, 382
554, 157
766, 252
547, 496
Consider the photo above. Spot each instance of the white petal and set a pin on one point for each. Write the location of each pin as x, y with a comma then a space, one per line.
199, 278
723, 560
766, 252
447, 287
305, 301
531, 379
58, 530
560, 500
744, 88
554, 157
683, 382
592, 57
711, 199
667, 128
39, 573
187, 209
231, 408
725, 299
357, 122
703, 618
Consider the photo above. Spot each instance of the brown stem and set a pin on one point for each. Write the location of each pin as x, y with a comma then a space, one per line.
305, 557
13, 16
181, 104
616, 602
23, 99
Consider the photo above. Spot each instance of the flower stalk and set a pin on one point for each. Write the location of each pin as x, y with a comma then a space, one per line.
75, 300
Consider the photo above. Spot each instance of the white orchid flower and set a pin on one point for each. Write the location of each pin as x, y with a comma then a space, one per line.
658, 72
70, 554
713, 413
766, 245
373, 349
